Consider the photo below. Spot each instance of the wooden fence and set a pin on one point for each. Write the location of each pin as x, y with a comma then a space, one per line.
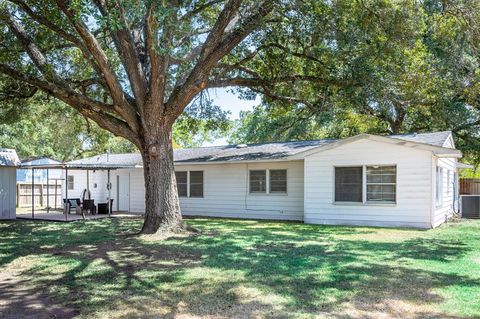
470, 186
24, 195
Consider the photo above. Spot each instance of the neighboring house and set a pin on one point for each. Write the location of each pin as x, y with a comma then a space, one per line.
404, 180
8, 162
39, 175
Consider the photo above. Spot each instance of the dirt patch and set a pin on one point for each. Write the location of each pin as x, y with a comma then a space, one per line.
19, 298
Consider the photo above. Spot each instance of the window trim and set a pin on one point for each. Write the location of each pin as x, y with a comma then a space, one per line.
364, 201
334, 181
72, 182
188, 188
267, 181
394, 184
270, 181
188, 183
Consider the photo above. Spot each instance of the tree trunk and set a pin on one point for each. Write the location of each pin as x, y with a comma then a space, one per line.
162, 207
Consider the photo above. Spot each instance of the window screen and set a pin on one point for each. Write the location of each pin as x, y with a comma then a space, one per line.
348, 184
196, 184
181, 178
258, 181
381, 183
278, 181
70, 182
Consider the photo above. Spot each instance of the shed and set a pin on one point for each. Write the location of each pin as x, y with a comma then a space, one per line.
8, 162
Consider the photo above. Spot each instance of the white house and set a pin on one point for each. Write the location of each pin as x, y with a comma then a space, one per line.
403, 180
8, 190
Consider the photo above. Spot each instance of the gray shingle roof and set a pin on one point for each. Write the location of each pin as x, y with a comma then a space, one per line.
234, 153
8, 157
436, 138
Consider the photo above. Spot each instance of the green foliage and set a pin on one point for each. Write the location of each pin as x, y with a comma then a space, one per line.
45, 127
380, 66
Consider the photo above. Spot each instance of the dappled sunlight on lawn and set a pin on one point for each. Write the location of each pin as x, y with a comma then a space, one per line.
240, 269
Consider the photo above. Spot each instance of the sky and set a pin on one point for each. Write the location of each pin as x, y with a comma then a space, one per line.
229, 102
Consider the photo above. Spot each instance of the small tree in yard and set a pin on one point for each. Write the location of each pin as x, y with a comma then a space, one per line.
133, 66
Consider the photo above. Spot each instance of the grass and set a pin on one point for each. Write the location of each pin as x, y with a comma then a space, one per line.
241, 269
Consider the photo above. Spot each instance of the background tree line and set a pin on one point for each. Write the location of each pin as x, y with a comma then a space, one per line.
381, 67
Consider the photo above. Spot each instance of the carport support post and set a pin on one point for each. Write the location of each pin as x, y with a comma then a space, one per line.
109, 185
67, 203
33, 194
48, 193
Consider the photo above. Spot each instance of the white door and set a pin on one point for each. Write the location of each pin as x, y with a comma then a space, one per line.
123, 193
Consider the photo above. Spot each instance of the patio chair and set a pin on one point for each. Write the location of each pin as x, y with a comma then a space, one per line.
71, 203
88, 206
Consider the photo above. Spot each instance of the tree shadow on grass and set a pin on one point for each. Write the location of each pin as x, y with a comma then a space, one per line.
244, 270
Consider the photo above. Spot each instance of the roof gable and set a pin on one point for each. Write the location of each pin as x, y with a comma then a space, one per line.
429, 141
8, 157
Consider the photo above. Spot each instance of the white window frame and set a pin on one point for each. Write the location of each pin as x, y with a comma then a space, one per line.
267, 181
188, 183
390, 184
364, 201
439, 186
188, 188
70, 184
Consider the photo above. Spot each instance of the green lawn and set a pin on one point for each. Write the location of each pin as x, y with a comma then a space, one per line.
240, 269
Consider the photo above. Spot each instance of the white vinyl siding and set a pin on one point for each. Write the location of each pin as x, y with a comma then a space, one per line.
226, 192
413, 185
444, 202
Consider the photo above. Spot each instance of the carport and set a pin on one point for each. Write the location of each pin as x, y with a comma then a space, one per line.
68, 214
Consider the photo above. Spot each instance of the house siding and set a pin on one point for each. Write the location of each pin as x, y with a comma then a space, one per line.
414, 186
226, 192
446, 209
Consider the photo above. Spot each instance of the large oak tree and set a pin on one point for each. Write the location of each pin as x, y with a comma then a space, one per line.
134, 66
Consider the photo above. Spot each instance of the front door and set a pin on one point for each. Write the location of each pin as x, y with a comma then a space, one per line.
123, 193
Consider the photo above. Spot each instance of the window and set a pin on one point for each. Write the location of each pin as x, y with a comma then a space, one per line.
258, 181
348, 184
381, 183
182, 181
70, 182
196, 184
439, 187
278, 181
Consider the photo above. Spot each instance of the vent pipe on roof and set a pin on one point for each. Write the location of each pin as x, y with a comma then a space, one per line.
108, 156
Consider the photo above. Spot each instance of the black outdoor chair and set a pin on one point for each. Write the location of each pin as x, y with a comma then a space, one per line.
88, 206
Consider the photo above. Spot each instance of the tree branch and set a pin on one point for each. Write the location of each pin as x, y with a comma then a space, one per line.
121, 103
125, 45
